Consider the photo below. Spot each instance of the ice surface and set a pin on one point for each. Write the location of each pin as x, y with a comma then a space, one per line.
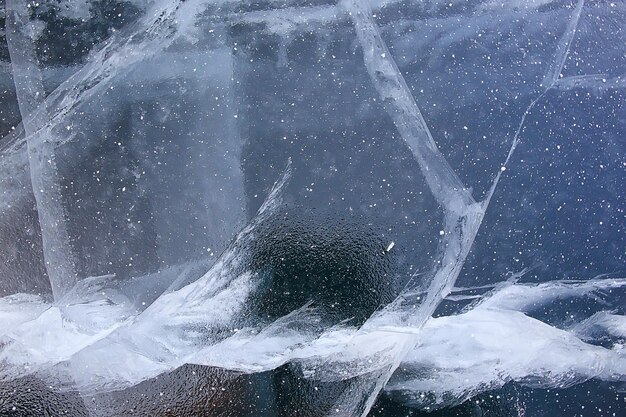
600, 324
138, 165
554, 71
20, 308
485, 348
190, 221
58, 256
489, 345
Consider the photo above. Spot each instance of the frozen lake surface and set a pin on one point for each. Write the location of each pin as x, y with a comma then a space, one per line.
312, 208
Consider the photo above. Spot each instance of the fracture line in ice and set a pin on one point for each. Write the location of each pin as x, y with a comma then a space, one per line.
189, 305
494, 343
601, 322
550, 80
173, 331
516, 297
554, 71
445, 185
482, 349
163, 23
597, 82
155, 32
58, 255
458, 357
286, 20
463, 215
511, 279
484, 346
99, 326
48, 120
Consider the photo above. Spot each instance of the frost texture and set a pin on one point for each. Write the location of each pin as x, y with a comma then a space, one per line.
152, 282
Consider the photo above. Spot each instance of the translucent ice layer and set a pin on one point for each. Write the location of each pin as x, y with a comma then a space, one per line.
136, 189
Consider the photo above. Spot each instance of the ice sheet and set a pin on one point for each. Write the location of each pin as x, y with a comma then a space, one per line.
58, 256
186, 307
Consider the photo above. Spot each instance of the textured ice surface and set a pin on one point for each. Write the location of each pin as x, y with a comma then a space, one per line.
141, 232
